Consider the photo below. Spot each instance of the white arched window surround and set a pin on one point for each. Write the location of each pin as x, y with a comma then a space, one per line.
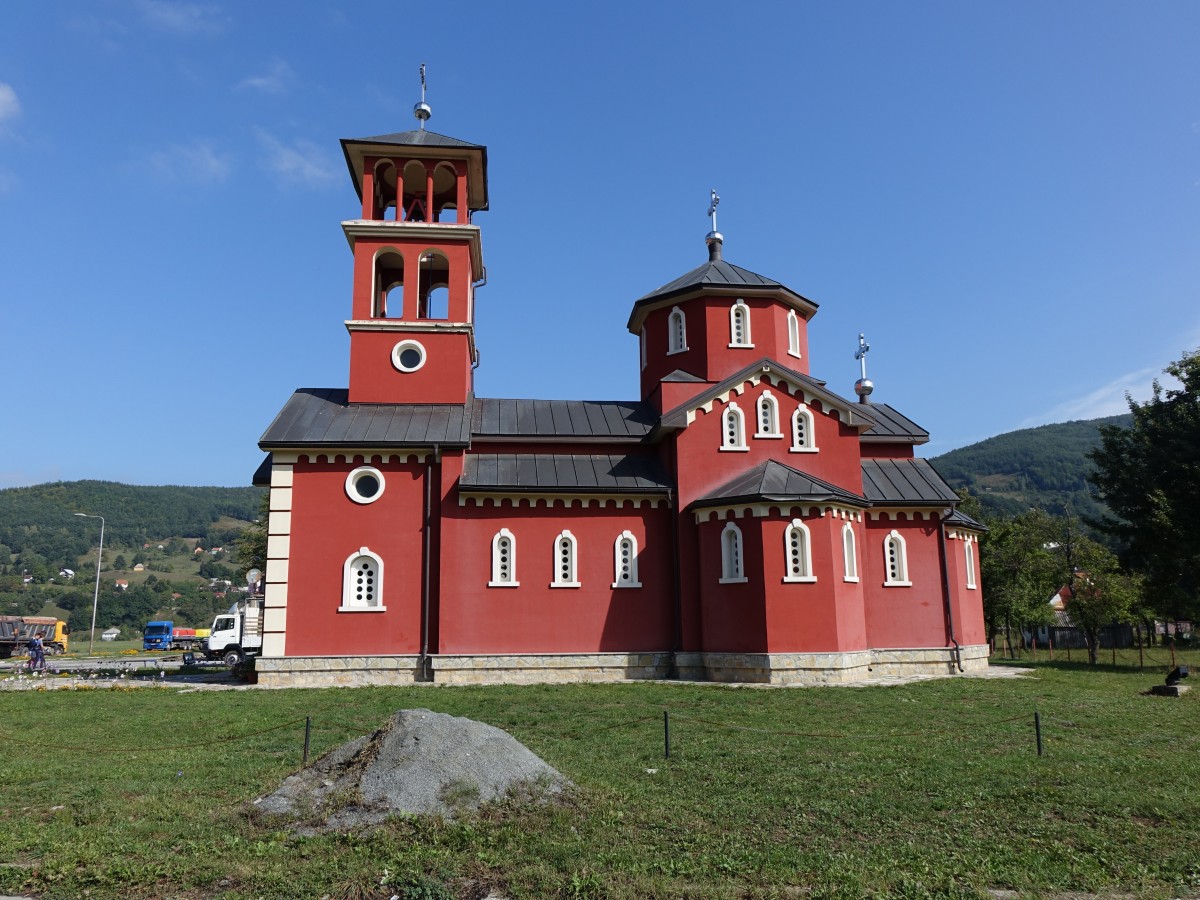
566, 553
732, 569
797, 553
849, 554
768, 417
804, 434
739, 325
969, 555
504, 560
895, 560
625, 561
733, 428
676, 331
793, 326
362, 582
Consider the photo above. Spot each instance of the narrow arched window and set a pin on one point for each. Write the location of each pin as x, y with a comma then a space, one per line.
504, 560
797, 549
804, 438
895, 559
739, 325
768, 416
625, 561
676, 331
733, 428
969, 552
362, 582
565, 551
849, 554
732, 570
793, 322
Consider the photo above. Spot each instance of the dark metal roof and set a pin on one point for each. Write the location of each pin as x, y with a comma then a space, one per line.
903, 482
681, 376
535, 472
962, 520
892, 426
414, 139
774, 481
581, 419
712, 273
322, 416
262, 475
677, 417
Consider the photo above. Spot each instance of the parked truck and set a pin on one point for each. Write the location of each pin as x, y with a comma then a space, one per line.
17, 631
237, 634
163, 635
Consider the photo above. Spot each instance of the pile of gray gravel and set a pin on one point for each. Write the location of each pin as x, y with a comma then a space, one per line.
419, 762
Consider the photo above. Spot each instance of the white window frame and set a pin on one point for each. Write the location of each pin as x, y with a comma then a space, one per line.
969, 556
350, 568
398, 352
799, 556
676, 332
768, 410
793, 327
733, 413
733, 569
895, 560
740, 312
565, 558
625, 576
849, 553
498, 580
806, 443
353, 479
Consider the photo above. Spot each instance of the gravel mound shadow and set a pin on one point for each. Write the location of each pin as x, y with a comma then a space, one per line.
418, 763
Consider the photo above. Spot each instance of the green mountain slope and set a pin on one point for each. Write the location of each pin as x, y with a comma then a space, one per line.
1045, 467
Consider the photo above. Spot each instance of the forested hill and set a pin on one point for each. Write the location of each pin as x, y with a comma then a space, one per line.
41, 518
1045, 467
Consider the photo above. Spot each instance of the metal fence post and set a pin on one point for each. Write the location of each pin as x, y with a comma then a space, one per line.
666, 735
307, 733
1037, 728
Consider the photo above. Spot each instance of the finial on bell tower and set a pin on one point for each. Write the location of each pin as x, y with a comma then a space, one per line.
422, 110
713, 239
863, 386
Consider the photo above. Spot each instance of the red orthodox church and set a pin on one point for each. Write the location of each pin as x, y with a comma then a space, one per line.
740, 521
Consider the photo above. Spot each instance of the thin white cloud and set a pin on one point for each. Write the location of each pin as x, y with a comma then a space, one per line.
10, 106
301, 162
196, 163
179, 17
1107, 400
274, 80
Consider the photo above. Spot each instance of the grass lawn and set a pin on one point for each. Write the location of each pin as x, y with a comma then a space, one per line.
932, 789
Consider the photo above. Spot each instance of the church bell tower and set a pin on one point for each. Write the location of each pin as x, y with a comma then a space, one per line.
417, 262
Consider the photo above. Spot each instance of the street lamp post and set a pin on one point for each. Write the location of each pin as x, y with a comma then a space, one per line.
96, 595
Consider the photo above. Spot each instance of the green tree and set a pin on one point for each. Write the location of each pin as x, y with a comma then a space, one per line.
1102, 595
1020, 571
250, 547
1149, 476
119, 563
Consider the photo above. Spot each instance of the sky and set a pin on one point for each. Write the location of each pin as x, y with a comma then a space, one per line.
1004, 197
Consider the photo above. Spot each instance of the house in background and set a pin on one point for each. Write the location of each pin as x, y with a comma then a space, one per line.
110, 634
739, 520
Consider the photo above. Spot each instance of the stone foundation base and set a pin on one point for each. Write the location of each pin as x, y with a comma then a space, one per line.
569, 668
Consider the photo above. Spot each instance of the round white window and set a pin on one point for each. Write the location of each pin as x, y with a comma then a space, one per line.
365, 484
408, 356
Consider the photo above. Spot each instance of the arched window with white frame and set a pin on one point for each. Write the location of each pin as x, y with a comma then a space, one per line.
768, 416
895, 560
625, 561
733, 428
739, 325
566, 550
969, 556
732, 569
676, 331
793, 325
504, 560
804, 435
849, 554
362, 582
797, 549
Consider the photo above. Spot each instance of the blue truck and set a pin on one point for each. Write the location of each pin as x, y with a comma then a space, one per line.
163, 635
